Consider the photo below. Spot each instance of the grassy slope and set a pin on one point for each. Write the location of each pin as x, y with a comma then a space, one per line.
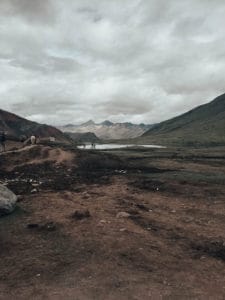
204, 125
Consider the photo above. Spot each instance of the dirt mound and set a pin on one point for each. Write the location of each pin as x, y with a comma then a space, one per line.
35, 155
36, 168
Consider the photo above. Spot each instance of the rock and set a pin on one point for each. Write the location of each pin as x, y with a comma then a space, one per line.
32, 225
122, 229
142, 207
103, 221
85, 195
49, 226
123, 214
7, 200
81, 214
34, 191
35, 184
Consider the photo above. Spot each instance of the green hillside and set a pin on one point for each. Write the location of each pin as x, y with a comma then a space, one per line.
202, 126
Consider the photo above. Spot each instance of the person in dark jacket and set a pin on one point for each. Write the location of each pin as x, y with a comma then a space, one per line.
2, 141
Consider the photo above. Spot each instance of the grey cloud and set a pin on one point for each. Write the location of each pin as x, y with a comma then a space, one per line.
126, 106
46, 64
131, 60
30, 10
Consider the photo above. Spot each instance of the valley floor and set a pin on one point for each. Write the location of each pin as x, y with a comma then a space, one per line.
170, 244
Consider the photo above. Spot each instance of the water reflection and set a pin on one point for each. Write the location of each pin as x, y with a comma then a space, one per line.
115, 146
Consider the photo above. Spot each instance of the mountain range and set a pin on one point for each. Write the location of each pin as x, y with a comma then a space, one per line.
108, 130
16, 126
86, 137
203, 125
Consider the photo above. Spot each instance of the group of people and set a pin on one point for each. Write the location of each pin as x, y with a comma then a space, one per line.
92, 145
32, 140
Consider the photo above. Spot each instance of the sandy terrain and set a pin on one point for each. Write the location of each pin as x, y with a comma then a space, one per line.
169, 245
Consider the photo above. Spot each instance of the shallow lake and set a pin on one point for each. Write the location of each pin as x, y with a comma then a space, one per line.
116, 146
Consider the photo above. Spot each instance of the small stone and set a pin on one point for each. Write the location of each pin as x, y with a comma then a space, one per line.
33, 191
81, 214
142, 206
102, 221
123, 214
122, 229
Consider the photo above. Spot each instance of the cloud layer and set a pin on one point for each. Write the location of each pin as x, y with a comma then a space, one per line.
67, 61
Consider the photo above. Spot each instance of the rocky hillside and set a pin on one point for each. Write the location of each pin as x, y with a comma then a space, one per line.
204, 125
16, 126
108, 130
78, 137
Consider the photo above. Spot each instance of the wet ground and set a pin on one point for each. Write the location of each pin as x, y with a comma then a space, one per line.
123, 224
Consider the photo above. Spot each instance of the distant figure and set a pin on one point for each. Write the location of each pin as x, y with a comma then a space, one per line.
93, 145
33, 140
2, 141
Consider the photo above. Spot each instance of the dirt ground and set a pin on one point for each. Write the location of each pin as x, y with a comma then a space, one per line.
155, 227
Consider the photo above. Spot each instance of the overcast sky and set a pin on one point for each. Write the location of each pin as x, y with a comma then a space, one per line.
68, 61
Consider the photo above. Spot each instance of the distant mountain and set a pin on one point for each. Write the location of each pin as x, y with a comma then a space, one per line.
107, 123
83, 137
88, 123
16, 126
108, 130
203, 125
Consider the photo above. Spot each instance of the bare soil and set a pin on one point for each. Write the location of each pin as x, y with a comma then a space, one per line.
171, 244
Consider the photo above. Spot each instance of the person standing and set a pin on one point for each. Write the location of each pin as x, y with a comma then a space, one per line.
2, 141
33, 140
